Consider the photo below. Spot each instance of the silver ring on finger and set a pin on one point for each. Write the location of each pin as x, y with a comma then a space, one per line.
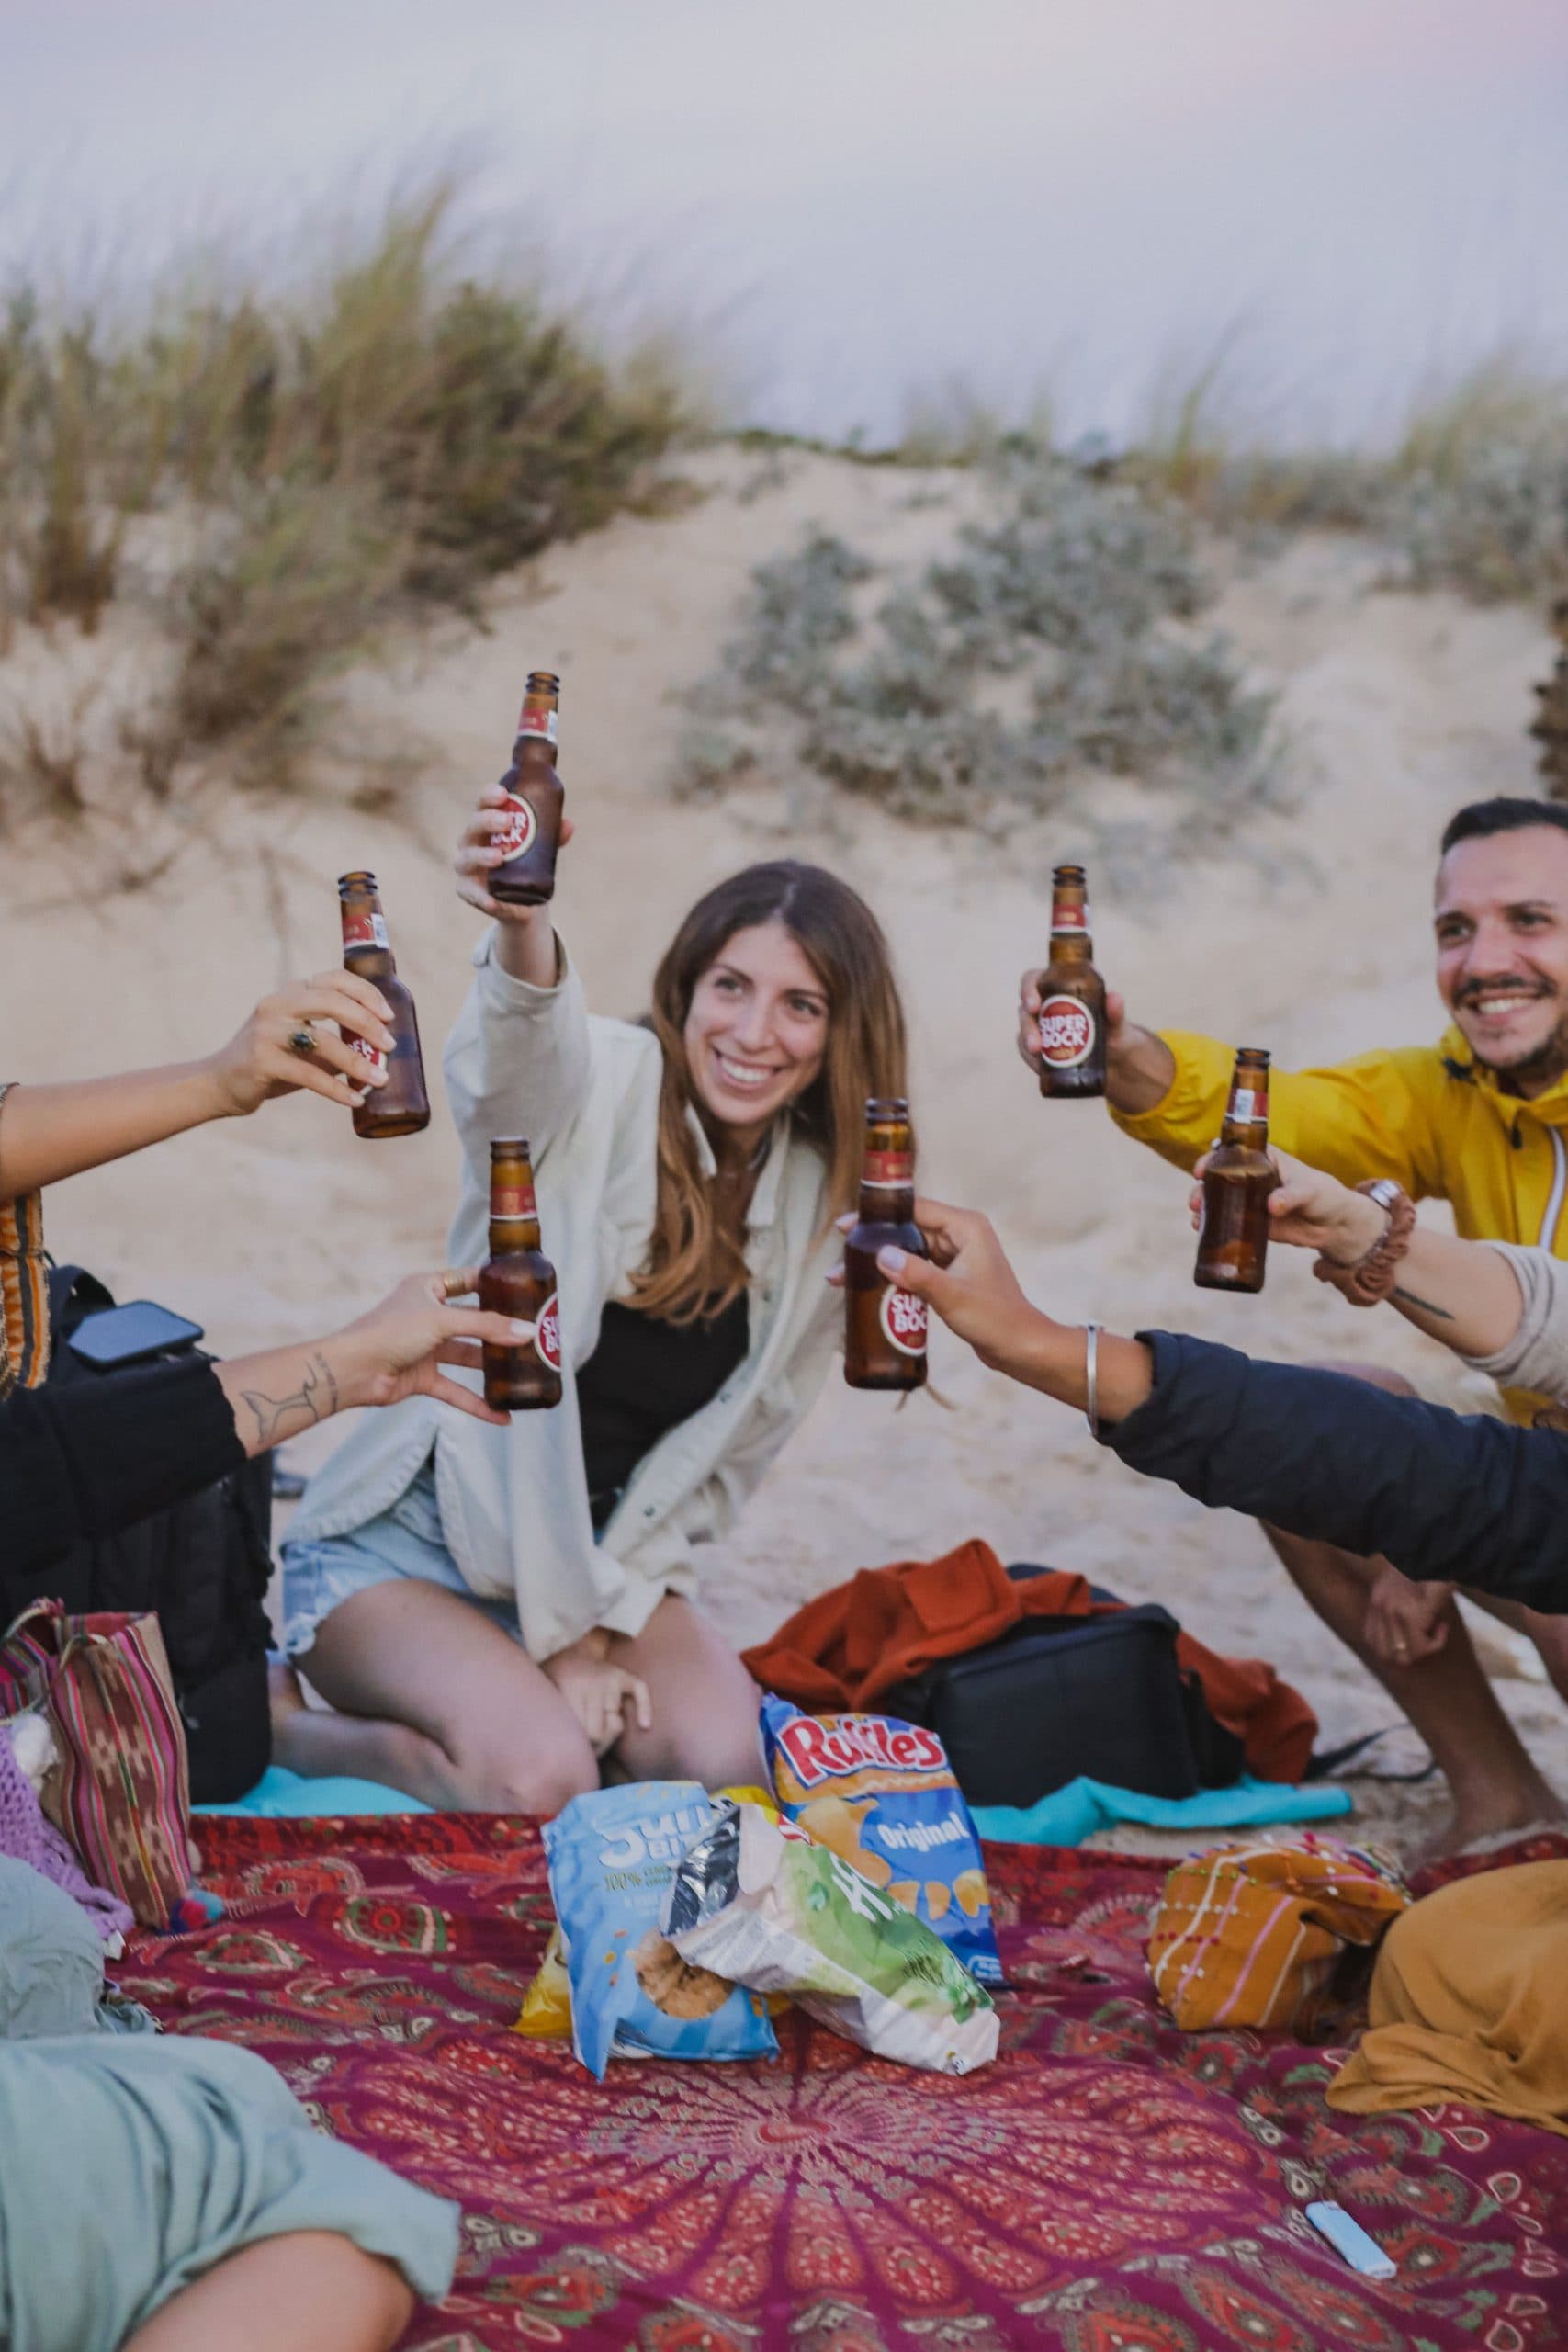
303, 1039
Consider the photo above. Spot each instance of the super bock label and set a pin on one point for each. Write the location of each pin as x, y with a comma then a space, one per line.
365, 931
903, 1320
543, 723
521, 826
1066, 1032
547, 1333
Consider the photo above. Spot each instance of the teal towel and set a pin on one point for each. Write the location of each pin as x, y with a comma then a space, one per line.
284, 1796
1068, 1815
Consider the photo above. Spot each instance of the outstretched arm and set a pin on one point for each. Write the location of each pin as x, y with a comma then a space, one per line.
1466, 1500
48, 1132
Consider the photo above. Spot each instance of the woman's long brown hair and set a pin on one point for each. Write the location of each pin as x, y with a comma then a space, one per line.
695, 1266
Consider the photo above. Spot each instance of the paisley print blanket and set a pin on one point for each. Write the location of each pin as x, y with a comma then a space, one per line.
1109, 2185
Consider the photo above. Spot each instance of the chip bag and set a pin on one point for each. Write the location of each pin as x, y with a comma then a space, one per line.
882, 1794
761, 1903
611, 1853
546, 2014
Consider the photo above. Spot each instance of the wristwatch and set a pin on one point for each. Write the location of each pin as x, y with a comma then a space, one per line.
1372, 1278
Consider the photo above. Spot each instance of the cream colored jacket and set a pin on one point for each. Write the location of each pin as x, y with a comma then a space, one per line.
513, 1502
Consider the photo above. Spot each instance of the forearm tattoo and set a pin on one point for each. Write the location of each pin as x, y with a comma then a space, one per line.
1426, 1305
315, 1399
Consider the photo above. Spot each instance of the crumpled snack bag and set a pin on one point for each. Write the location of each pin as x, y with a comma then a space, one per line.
546, 2014
611, 1854
882, 1794
757, 1902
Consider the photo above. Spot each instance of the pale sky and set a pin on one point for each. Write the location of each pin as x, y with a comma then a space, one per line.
858, 200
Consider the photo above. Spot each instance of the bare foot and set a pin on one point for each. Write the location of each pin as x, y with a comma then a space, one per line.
1476, 1825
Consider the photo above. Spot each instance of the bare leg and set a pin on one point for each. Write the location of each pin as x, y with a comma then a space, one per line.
1447, 1696
310, 2290
704, 1702
435, 1700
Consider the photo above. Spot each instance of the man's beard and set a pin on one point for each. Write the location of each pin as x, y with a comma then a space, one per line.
1535, 1071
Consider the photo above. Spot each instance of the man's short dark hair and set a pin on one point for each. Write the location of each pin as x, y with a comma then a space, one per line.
1483, 817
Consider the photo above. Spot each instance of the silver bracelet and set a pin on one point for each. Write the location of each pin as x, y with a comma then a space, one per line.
1092, 1377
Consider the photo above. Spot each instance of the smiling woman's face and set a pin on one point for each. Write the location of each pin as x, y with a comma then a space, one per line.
757, 1029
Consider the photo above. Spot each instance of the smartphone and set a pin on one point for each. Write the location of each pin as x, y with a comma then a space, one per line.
123, 1335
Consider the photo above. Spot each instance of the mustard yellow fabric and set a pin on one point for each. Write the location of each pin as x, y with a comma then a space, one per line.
1470, 2002
1430, 1115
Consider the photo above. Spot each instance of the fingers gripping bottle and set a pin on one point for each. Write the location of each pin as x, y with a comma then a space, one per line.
1072, 1010
401, 1107
885, 1328
517, 1279
1233, 1238
534, 800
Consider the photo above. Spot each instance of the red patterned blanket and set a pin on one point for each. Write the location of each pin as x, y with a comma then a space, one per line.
1109, 2185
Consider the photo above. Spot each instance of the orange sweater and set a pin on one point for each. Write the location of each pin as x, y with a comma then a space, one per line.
844, 1649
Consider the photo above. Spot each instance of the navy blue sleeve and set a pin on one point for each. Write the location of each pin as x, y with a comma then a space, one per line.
1464, 1498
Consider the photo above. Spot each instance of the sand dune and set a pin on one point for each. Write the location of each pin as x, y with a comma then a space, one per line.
1314, 942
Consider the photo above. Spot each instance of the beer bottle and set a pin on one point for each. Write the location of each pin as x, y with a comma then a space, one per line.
534, 797
1232, 1237
517, 1279
885, 1328
1072, 1011
401, 1107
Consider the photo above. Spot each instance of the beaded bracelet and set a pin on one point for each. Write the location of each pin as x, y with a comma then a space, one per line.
1372, 1278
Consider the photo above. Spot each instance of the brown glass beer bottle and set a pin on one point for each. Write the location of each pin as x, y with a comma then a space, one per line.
401, 1107
1072, 1011
1232, 1237
517, 1279
533, 798
885, 1328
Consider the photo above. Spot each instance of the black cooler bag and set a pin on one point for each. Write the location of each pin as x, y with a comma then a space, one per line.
1059, 1696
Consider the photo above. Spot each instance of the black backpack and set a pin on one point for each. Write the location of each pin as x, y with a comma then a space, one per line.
202, 1566
1057, 1696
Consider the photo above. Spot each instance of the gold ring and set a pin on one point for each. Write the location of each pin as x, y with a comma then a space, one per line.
303, 1040
454, 1284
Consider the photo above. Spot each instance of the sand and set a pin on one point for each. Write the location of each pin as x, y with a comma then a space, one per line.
1311, 935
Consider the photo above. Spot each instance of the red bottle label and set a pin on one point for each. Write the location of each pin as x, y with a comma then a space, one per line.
1247, 1104
1069, 918
512, 1200
1066, 1032
364, 929
521, 828
903, 1321
547, 1333
889, 1169
367, 1052
536, 719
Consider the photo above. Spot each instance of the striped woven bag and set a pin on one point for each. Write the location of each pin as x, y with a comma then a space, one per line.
1251, 1935
124, 1800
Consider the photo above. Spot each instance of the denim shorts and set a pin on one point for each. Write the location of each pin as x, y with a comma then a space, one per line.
406, 1541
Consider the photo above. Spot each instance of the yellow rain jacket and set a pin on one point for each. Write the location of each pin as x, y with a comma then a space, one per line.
1431, 1115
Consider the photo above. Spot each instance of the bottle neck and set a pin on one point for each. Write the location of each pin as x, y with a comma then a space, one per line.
511, 1234
1247, 1113
366, 948
1071, 946
887, 1183
539, 731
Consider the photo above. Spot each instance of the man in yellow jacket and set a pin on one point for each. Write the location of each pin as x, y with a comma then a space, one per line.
1479, 1120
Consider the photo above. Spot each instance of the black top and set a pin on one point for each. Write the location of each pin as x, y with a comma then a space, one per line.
96, 1455
643, 1378
1456, 1496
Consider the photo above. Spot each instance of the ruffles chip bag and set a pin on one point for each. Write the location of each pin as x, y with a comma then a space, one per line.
882, 1795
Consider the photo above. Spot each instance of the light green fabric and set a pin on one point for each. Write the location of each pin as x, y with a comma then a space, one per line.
131, 2164
51, 1958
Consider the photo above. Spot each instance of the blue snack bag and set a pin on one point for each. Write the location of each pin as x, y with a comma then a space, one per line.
882, 1794
612, 1853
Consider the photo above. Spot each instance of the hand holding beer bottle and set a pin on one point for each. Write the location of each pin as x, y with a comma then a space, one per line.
518, 1280
885, 1328
1070, 1024
502, 853
397, 1102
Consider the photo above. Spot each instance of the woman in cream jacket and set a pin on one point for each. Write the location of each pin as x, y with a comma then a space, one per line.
490, 1611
